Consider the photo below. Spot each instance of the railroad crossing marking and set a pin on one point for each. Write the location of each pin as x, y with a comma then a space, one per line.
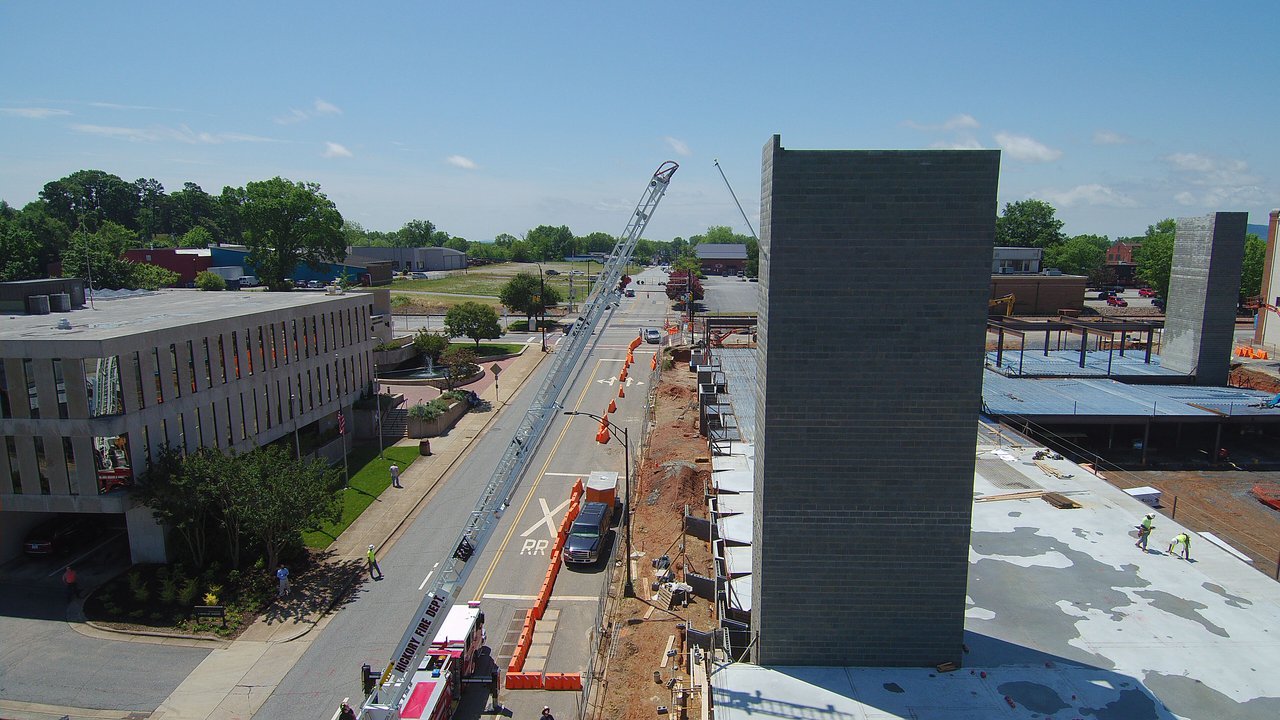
548, 518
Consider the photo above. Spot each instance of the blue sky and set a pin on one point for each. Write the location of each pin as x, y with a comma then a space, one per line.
497, 117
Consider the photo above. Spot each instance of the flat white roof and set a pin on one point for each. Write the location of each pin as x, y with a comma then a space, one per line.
161, 310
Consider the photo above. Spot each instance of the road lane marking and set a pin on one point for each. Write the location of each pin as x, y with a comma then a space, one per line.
493, 564
548, 518
428, 577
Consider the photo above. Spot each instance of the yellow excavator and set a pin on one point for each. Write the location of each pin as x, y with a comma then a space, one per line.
1002, 305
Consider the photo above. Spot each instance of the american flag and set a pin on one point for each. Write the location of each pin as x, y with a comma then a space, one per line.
342, 424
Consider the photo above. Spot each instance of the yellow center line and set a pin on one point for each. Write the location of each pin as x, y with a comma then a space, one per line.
538, 480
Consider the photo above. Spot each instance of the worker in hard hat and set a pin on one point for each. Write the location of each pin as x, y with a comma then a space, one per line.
373, 564
1184, 540
1144, 530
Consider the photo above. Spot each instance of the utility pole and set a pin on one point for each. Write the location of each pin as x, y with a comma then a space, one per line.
628, 587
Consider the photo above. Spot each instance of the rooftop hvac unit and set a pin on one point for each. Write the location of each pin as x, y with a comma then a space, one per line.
60, 302
37, 304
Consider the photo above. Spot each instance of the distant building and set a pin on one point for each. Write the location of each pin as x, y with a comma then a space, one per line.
1120, 262
722, 258
187, 262
89, 397
421, 259
1016, 260
368, 271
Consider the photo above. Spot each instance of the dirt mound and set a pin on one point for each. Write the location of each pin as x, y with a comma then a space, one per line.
1243, 377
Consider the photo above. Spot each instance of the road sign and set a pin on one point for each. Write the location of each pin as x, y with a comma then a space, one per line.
495, 369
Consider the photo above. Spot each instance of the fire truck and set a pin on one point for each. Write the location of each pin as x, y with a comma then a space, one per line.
435, 688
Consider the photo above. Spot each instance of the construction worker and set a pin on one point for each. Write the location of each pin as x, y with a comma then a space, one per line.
1144, 530
1184, 540
373, 564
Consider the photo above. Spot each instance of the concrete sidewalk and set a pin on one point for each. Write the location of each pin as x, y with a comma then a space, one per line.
237, 678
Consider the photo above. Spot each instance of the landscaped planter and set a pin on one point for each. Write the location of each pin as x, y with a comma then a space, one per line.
418, 428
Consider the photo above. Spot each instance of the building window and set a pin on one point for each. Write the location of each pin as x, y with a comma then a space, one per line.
289, 385
155, 358
328, 382
279, 404
15, 478
182, 434
5, 412
60, 388
315, 337
262, 348
69, 456
177, 383
266, 400
191, 364
275, 359
311, 392
230, 425
235, 353
113, 465
42, 465
137, 379
208, 366
106, 397
243, 424
146, 444
324, 331
33, 399
222, 359
293, 324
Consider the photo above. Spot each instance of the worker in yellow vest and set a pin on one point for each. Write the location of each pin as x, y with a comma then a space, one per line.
1184, 540
1144, 530
373, 564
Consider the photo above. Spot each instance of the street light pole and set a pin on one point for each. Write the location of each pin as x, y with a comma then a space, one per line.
542, 306
628, 587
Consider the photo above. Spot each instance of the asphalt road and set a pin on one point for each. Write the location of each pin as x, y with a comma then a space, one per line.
507, 572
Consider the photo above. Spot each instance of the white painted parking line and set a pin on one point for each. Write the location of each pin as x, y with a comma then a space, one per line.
428, 577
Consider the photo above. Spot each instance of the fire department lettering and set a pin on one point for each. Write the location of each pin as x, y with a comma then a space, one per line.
421, 633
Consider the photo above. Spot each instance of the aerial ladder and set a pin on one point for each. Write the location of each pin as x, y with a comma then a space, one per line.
394, 686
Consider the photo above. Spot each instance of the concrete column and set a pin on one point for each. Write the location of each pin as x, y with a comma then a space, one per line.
85, 482
77, 394
1267, 331
146, 536
1204, 287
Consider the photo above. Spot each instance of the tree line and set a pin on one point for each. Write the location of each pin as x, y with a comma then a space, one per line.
1032, 223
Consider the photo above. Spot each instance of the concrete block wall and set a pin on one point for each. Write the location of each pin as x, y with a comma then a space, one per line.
1204, 287
874, 275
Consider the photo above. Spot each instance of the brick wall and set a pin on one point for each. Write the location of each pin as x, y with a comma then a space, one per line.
874, 274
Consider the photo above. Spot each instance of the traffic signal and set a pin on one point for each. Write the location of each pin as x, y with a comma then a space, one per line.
368, 678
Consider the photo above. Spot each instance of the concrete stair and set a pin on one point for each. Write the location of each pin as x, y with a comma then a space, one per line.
396, 423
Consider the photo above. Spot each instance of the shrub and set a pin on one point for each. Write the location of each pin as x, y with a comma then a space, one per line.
206, 280
211, 597
168, 588
427, 411
190, 589
138, 587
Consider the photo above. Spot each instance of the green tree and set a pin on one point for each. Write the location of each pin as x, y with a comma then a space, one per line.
550, 243
1028, 223
209, 281
1078, 256
431, 344
98, 254
192, 207
601, 242
416, 233
473, 320
525, 293
19, 248
153, 207
456, 243
92, 197
505, 240
152, 277
279, 497
459, 362
196, 237
52, 236
286, 223
176, 501
1255, 254
1155, 257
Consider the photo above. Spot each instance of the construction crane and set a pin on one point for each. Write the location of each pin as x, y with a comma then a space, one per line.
395, 685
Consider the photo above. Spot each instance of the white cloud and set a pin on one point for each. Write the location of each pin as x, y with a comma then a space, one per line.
963, 121
119, 106
159, 133
1026, 149
966, 143
677, 146
294, 116
319, 107
1215, 182
334, 150
326, 108
1092, 194
34, 113
460, 161
1109, 137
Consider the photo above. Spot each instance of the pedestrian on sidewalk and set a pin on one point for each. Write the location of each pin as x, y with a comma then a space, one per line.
1184, 540
373, 564
1144, 530
282, 578
395, 476
69, 580
546, 714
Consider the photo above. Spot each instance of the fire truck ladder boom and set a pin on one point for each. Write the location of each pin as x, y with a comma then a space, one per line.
496, 497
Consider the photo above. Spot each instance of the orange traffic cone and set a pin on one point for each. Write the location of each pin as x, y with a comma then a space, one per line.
621, 391
613, 406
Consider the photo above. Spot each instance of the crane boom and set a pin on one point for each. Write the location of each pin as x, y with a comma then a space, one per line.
388, 696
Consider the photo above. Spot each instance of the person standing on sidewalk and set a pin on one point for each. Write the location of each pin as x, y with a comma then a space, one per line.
282, 577
373, 564
395, 476
70, 581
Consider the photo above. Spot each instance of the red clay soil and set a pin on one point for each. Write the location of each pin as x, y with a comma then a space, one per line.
1243, 377
674, 473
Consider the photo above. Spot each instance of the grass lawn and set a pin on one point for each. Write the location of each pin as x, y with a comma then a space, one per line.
489, 279
370, 475
488, 350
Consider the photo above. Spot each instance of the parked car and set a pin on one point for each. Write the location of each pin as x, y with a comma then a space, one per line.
60, 534
419, 276
1106, 294
553, 271
586, 535
651, 335
1146, 292
629, 292
1114, 301
1158, 303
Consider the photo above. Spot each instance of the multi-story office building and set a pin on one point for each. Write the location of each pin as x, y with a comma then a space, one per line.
89, 397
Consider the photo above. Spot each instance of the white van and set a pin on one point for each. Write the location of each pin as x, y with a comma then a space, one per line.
248, 281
